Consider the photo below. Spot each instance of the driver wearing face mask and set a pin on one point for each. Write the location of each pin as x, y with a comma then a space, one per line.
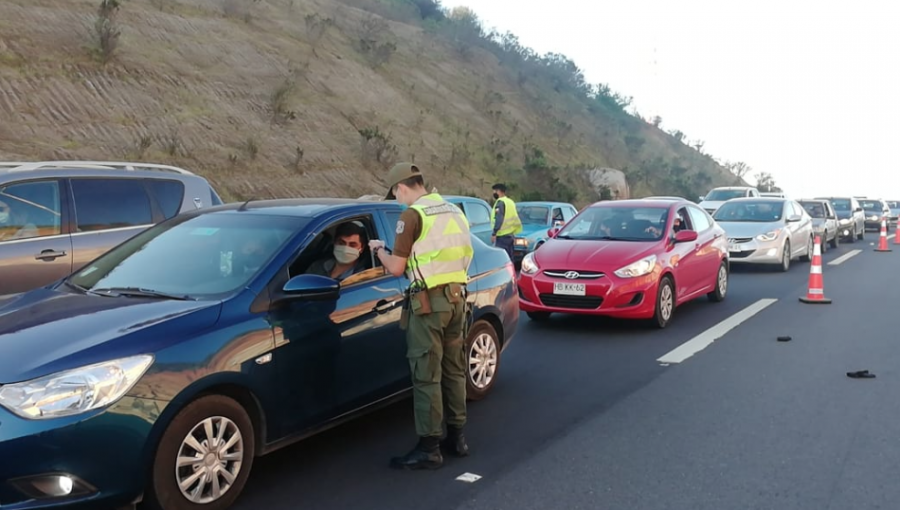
346, 259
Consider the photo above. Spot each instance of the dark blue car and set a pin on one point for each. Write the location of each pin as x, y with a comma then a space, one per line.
161, 369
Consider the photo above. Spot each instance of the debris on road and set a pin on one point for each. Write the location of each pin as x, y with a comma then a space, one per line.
861, 374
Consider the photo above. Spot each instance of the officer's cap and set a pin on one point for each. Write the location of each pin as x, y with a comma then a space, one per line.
399, 173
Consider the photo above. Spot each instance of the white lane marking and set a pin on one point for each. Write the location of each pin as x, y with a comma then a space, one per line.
468, 477
703, 340
891, 236
844, 258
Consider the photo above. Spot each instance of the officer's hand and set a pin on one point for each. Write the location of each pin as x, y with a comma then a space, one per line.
376, 244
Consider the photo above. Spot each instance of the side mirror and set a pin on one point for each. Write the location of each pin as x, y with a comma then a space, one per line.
685, 236
552, 232
312, 287
794, 218
858, 209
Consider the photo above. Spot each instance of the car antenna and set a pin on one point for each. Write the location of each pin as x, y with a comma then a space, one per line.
243, 206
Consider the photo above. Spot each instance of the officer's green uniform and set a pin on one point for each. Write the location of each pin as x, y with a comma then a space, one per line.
437, 267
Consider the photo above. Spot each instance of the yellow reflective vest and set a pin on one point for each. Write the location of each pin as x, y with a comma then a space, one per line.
511, 223
443, 251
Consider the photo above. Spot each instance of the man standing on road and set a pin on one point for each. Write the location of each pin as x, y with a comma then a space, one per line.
433, 247
505, 220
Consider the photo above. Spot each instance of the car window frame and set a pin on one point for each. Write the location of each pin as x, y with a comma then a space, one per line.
155, 214
65, 228
484, 209
709, 220
155, 201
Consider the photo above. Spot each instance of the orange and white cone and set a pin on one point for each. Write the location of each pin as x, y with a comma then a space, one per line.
816, 293
897, 232
882, 240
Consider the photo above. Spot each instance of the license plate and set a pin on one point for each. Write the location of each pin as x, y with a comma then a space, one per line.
733, 248
569, 289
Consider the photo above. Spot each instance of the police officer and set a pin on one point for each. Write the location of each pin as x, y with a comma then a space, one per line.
433, 247
505, 220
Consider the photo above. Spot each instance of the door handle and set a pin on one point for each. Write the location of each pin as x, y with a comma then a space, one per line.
49, 255
384, 306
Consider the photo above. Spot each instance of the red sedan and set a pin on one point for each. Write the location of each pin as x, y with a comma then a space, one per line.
632, 259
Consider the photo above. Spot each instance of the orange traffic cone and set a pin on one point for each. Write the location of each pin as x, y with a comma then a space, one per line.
897, 232
882, 241
816, 293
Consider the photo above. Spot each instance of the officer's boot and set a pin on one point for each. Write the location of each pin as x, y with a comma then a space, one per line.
455, 442
426, 455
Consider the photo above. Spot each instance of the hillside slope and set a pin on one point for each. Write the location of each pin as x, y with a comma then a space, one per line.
271, 98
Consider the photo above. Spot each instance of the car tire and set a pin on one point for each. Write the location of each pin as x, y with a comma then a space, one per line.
721, 290
538, 316
197, 419
852, 237
482, 360
862, 235
665, 303
786, 257
810, 248
836, 242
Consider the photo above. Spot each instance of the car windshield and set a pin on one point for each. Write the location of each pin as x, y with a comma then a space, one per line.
815, 209
201, 257
893, 204
720, 195
750, 210
840, 204
639, 224
534, 215
872, 205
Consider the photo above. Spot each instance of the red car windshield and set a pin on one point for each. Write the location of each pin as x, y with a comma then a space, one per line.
639, 224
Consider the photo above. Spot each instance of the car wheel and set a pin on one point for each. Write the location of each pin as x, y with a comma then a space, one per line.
810, 248
204, 457
836, 241
482, 360
721, 289
852, 237
823, 243
786, 257
665, 303
862, 234
538, 316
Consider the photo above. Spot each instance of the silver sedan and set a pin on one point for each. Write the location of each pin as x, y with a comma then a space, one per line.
766, 231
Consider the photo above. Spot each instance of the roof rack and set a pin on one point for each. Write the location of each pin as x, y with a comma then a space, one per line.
30, 166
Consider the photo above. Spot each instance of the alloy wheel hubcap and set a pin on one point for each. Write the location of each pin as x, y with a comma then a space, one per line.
209, 460
723, 280
665, 302
483, 357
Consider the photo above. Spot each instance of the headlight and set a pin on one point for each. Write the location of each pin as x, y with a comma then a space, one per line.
639, 268
873, 217
529, 266
74, 391
768, 236
521, 241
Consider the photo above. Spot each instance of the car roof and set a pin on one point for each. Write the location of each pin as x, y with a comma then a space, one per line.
760, 199
734, 187
301, 207
638, 202
542, 202
10, 167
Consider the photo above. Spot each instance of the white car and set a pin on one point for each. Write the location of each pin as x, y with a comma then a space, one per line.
718, 196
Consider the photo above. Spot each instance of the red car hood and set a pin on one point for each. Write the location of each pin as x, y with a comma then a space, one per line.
606, 256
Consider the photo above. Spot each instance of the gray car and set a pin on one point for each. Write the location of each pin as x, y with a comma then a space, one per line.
825, 222
56, 216
851, 217
766, 231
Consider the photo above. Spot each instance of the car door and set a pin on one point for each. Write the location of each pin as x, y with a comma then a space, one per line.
798, 236
685, 263
107, 212
831, 221
858, 215
708, 255
338, 355
35, 247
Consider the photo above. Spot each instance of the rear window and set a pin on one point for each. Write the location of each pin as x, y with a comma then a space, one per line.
110, 203
169, 195
872, 205
814, 209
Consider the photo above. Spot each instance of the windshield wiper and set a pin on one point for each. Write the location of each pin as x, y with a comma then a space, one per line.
140, 292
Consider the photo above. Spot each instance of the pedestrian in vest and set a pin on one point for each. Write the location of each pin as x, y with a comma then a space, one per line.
505, 220
433, 247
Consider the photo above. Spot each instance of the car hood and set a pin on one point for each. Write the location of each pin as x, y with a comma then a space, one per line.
711, 204
45, 331
844, 215
743, 229
565, 254
530, 229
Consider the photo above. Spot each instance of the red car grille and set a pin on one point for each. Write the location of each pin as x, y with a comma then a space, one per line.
574, 302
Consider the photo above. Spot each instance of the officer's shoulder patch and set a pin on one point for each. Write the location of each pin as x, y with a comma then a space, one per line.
401, 225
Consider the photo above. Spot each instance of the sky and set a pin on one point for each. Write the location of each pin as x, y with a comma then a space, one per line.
806, 91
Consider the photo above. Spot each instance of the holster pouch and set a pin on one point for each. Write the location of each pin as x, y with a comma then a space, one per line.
404, 314
455, 293
421, 303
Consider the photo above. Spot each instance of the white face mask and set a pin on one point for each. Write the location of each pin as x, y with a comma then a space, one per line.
345, 254
4, 216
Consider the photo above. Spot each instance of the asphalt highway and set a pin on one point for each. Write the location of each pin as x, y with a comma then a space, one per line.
603, 414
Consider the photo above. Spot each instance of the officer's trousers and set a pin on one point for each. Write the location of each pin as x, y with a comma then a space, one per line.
437, 361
